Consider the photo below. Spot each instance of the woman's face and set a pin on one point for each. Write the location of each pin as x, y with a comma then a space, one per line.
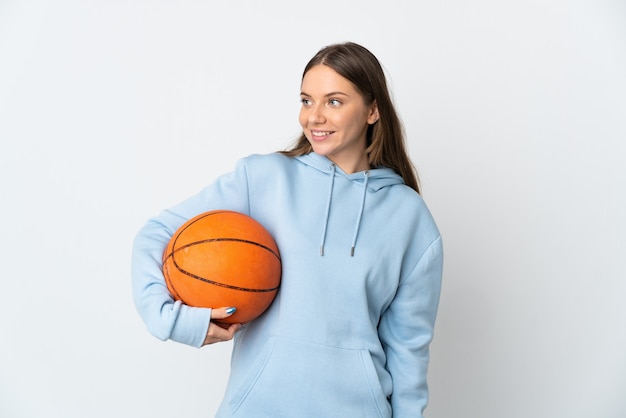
335, 117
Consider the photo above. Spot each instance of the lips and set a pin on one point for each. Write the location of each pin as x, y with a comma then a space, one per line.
318, 135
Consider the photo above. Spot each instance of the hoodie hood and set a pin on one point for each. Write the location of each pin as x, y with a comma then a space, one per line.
377, 177
371, 180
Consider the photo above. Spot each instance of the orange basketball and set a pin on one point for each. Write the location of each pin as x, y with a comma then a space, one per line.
223, 258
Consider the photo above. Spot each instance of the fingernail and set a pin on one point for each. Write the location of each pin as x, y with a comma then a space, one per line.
230, 310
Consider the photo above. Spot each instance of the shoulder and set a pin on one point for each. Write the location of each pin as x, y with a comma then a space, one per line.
406, 199
413, 212
269, 158
267, 166
266, 161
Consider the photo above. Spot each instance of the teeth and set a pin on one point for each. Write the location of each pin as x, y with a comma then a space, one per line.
320, 133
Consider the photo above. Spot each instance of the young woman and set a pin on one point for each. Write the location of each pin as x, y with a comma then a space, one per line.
349, 331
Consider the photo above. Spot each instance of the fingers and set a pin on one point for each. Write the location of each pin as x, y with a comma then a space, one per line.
219, 332
221, 313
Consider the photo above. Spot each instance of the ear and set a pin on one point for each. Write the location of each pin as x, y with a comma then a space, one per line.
373, 115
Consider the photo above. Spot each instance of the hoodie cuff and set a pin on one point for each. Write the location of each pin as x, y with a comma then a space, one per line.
191, 326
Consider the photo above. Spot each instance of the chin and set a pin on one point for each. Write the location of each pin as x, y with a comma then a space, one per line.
319, 150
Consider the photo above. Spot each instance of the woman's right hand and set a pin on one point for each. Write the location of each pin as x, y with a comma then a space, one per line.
217, 333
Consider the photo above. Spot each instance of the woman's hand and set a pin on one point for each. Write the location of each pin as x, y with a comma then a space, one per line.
217, 333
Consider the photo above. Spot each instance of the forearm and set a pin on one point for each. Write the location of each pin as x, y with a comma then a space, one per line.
164, 317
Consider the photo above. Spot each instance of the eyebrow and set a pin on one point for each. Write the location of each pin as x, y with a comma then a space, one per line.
333, 93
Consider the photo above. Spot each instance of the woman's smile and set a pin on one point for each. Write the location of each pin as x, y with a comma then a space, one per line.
320, 135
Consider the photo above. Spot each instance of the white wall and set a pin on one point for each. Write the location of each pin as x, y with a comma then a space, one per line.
516, 114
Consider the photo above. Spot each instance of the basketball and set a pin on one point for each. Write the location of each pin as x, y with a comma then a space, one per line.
223, 258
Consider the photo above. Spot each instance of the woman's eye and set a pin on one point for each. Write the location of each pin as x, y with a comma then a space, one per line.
304, 101
334, 102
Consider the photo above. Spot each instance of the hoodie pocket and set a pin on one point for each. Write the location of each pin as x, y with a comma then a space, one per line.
297, 379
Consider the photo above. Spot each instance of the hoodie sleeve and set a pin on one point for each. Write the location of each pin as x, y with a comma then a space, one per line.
164, 317
406, 330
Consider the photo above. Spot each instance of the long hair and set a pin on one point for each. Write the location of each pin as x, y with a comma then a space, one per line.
386, 145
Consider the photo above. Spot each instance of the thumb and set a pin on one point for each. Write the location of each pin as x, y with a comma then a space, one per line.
221, 313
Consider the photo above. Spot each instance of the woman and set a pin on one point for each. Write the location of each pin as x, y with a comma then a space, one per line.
349, 331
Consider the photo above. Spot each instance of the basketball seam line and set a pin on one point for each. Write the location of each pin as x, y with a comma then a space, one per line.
229, 286
227, 239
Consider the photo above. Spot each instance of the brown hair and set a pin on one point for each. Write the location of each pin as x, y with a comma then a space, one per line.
385, 139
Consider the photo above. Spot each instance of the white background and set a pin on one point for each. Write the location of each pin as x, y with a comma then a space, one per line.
516, 115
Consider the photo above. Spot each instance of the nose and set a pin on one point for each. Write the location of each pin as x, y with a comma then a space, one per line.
316, 114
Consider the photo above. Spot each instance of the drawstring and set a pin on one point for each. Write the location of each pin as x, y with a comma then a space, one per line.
330, 196
358, 221
366, 174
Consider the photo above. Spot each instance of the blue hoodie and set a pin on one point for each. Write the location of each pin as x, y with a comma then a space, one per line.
349, 331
